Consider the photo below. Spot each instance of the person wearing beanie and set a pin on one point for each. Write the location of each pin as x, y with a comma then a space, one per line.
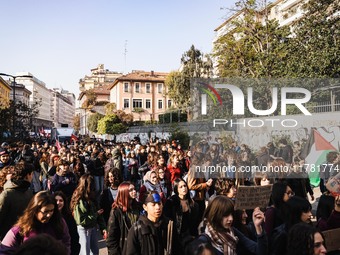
5, 159
152, 233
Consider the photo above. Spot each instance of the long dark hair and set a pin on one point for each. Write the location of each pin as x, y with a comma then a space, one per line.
296, 206
187, 196
301, 239
28, 221
65, 211
85, 191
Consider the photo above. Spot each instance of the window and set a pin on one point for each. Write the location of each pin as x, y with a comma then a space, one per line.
160, 88
147, 88
160, 104
169, 103
126, 87
147, 103
137, 103
126, 103
137, 87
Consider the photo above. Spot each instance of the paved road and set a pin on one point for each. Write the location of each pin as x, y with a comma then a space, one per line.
102, 245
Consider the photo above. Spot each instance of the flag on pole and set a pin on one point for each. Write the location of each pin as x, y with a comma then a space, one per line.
314, 152
74, 138
57, 144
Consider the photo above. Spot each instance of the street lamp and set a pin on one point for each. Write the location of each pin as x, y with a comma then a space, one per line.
14, 85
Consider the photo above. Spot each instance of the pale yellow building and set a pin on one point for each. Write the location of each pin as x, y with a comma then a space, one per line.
5, 91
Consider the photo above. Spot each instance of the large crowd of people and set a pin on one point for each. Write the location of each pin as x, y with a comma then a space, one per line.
148, 199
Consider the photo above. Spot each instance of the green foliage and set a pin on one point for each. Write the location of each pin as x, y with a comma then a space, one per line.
76, 123
91, 99
195, 64
92, 122
23, 118
111, 124
314, 50
110, 108
180, 135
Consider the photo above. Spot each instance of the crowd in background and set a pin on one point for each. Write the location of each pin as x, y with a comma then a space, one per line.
147, 199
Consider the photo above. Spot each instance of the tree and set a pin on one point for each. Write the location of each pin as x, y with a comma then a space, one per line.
91, 99
23, 118
110, 108
195, 65
111, 124
314, 48
76, 122
92, 122
253, 48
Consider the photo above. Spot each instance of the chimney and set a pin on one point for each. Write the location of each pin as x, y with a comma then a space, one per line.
152, 73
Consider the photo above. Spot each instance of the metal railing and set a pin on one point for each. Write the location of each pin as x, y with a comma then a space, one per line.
325, 107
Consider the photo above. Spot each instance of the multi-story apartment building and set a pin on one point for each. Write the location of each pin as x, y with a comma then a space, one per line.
284, 11
141, 93
102, 97
99, 77
22, 94
62, 107
55, 107
5, 90
40, 94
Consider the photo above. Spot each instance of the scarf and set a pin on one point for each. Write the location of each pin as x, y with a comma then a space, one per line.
224, 242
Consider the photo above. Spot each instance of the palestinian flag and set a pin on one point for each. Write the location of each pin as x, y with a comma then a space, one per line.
314, 152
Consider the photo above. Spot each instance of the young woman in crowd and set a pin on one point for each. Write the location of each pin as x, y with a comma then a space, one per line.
274, 214
217, 229
110, 191
44, 161
226, 187
64, 209
125, 212
184, 212
151, 183
298, 210
175, 171
304, 239
41, 216
164, 182
86, 215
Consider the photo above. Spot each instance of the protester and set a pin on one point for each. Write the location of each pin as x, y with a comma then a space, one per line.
64, 209
298, 210
125, 212
41, 216
217, 229
304, 239
151, 183
183, 211
16, 195
64, 180
274, 215
151, 234
333, 221
41, 244
5, 159
86, 215
110, 192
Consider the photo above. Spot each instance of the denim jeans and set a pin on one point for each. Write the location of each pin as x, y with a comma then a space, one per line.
99, 185
88, 240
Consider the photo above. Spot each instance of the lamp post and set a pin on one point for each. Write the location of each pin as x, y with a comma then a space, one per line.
14, 85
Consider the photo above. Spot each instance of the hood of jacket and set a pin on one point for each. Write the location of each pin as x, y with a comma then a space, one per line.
21, 185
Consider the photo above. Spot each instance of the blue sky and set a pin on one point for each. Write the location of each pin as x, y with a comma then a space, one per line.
60, 41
